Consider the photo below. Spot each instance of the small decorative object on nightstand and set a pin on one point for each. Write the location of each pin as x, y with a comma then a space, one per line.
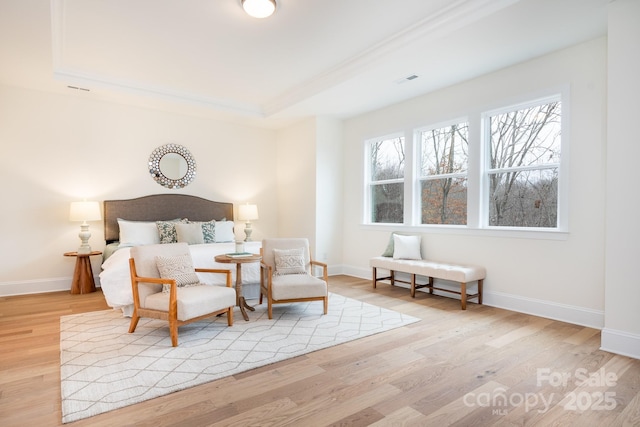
247, 213
83, 282
84, 211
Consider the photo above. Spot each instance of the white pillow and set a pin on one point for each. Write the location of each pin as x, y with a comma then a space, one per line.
289, 261
190, 233
136, 233
224, 232
406, 247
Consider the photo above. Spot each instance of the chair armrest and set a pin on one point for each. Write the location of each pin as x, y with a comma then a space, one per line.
155, 280
264, 266
217, 270
322, 265
213, 270
265, 275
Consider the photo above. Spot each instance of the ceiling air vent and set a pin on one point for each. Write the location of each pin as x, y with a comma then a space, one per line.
407, 79
78, 88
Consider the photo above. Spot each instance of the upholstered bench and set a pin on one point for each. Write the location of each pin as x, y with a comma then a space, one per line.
431, 270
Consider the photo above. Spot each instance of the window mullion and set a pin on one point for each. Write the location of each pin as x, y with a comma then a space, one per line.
474, 175
410, 172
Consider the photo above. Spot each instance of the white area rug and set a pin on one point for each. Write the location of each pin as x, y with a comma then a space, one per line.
103, 367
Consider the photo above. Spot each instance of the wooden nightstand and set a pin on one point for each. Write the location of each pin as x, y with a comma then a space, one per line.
240, 301
83, 282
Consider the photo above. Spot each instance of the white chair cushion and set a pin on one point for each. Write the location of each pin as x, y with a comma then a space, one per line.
145, 259
268, 245
292, 286
194, 301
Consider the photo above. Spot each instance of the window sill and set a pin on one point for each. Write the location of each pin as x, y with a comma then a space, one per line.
506, 232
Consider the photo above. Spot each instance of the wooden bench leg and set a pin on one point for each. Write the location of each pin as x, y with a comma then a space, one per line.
375, 277
430, 285
463, 295
413, 286
392, 274
480, 283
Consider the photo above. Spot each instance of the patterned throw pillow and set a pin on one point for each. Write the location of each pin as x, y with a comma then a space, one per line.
178, 267
167, 230
289, 261
209, 231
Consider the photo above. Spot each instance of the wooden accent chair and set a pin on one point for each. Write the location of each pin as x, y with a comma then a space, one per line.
182, 304
286, 273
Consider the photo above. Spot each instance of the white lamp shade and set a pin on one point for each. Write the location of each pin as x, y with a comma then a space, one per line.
247, 212
85, 211
259, 8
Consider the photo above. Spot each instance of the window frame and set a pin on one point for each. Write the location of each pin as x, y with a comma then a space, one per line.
418, 177
561, 165
368, 182
477, 178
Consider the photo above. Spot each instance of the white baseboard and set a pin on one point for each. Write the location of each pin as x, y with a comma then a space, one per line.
24, 287
536, 307
620, 342
548, 309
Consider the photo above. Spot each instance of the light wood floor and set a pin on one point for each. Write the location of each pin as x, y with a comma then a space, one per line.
452, 368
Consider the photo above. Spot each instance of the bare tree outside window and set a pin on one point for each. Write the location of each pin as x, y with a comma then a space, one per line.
387, 180
443, 175
524, 166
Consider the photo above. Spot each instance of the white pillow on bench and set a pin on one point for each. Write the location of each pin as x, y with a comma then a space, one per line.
406, 247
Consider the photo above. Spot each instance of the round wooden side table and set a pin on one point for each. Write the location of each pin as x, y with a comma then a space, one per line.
238, 261
83, 282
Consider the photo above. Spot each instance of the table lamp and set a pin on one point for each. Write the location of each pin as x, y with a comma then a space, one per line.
84, 211
247, 213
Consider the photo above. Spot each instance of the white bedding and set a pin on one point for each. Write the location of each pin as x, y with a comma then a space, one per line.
116, 282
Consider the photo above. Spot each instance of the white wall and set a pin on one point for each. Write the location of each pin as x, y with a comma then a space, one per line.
329, 194
296, 171
310, 186
57, 149
562, 279
622, 286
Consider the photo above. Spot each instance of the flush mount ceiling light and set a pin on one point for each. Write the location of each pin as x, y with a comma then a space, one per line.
259, 8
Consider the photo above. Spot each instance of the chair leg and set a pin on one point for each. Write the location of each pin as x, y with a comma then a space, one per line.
230, 316
326, 304
270, 308
134, 322
173, 330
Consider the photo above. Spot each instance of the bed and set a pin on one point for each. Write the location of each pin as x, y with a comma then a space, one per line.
138, 221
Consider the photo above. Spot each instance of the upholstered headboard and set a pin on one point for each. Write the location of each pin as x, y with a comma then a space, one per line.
161, 207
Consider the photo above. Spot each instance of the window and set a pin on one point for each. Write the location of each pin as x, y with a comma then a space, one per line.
501, 171
443, 174
386, 179
524, 163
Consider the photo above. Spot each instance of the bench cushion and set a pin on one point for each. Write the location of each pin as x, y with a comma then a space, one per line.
456, 273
